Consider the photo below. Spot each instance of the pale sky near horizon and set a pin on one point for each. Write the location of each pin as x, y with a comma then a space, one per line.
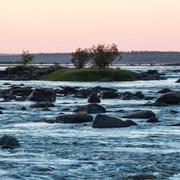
64, 25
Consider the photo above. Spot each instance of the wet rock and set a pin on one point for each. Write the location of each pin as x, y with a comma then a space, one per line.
74, 118
20, 91
20, 99
131, 123
43, 95
108, 94
1, 108
129, 95
46, 109
23, 109
94, 98
44, 120
1, 112
172, 98
91, 108
177, 124
153, 119
68, 90
141, 177
85, 93
178, 81
173, 112
141, 114
42, 105
165, 90
150, 75
6, 84
9, 142
104, 121
8, 97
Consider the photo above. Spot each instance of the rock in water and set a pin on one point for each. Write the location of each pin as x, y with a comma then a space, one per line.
94, 98
42, 105
74, 118
153, 119
104, 121
172, 98
91, 108
165, 90
43, 95
141, 177
141, 114
9, 142
108, 94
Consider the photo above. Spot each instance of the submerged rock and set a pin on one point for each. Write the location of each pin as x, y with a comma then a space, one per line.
43, 95
74, 118
23, 108
141, 177
165, 90
42, 105
153, 119
172, 98
94, 98
91, 108
104, 121
9, 142
141, 114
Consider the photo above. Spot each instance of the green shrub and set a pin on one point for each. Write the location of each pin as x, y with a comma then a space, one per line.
86, 75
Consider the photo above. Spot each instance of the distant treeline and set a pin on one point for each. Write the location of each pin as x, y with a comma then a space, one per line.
133, 57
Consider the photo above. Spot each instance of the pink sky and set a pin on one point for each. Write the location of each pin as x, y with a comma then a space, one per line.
64, 25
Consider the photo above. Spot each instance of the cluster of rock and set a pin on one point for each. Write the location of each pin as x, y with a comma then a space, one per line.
150, 75
26, 72
92, 112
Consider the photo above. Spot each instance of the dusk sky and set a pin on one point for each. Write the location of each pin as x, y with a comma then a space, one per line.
64, 25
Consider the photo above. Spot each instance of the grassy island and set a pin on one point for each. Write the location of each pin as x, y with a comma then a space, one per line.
89, 75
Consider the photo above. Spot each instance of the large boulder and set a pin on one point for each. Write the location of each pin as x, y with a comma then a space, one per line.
141, 114
74, 118
91, 108
43, 95
104, 121
94, 98
172, 98
9, 142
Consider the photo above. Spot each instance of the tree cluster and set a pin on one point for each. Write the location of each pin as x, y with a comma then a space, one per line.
26, 58
101, 56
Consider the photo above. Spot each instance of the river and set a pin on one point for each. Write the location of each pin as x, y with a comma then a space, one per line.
77, 151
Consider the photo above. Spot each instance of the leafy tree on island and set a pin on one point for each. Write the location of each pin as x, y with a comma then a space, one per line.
26, 58
104, 55
80, 57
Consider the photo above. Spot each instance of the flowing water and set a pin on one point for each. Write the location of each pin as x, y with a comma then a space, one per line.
77, 151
